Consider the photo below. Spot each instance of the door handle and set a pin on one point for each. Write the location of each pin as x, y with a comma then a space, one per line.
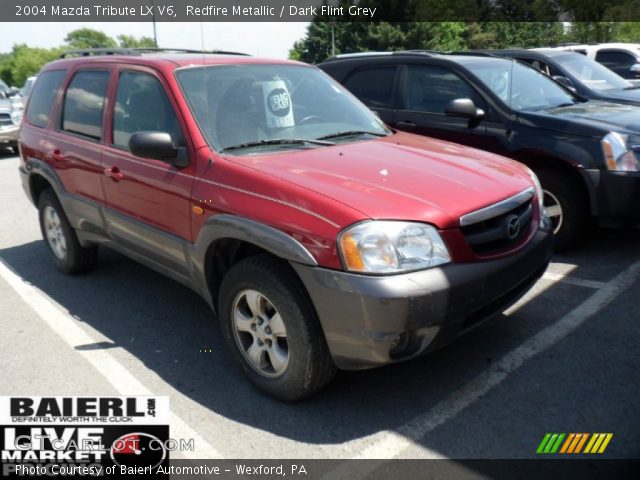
57, 156
114, 173
409, 125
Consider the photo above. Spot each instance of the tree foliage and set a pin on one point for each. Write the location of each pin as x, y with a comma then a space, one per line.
24, 61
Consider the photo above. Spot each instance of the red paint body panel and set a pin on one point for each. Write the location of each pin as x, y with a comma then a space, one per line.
310, 194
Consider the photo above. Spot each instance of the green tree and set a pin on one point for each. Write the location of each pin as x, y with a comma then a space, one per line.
129, 41
24, 61
88, 38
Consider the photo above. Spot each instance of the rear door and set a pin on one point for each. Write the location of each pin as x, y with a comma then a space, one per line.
375, 86
148, 200
74, 146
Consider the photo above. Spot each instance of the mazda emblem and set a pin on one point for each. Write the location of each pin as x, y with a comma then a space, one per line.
513, 227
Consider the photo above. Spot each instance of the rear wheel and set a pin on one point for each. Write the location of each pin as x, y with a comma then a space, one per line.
272, 329
61, 239
566, 205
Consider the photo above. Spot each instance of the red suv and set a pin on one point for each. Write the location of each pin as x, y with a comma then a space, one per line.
321, 237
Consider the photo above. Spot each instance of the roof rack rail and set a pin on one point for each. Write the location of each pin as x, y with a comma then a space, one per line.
471, 53
419, 50
139, 51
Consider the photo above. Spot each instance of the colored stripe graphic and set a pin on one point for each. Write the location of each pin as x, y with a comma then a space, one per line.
552, 442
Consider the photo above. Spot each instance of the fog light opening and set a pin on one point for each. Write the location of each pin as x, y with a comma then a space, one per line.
399, 345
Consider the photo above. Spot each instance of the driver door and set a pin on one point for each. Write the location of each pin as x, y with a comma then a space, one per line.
425, 91
148, 201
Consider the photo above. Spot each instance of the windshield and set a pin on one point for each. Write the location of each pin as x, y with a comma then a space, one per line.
244, 106
592, 74
519, 86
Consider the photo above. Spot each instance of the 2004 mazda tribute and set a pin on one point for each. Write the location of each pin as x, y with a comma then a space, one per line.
320, 237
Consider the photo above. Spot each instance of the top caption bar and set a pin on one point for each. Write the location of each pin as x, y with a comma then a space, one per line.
307, 10
180, 11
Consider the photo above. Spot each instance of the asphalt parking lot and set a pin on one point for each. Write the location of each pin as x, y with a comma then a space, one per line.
563, 359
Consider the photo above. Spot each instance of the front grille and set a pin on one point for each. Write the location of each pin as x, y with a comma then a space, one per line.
5, 119
510, 223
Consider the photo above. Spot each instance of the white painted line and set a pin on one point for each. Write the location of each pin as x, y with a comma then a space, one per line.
580, 282
67, 328
388, 444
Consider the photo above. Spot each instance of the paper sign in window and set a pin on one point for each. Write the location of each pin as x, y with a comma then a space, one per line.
278, 106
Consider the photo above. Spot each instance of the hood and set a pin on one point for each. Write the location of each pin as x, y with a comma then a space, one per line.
402, 176
602, 116
629, 97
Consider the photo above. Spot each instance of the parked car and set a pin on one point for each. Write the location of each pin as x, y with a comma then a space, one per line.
582, 151
321, 238
26, 88
10, 119
621, 58
585, 77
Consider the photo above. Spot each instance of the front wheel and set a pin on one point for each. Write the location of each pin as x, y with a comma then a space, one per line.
566, 205
272, 329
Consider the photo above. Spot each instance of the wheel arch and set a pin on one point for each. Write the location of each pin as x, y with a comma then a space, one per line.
536, 161
225, 239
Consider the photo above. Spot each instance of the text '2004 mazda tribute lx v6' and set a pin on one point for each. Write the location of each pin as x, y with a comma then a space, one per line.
321, 238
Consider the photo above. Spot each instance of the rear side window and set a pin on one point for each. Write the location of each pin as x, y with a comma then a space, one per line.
42, 97
142, 105
84, 103
373, 86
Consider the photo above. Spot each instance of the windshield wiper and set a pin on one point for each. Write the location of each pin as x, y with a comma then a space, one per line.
276, 141
349, 133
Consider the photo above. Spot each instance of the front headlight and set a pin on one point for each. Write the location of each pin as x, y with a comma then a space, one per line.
16, 117
539, 192
619, 151
391, 247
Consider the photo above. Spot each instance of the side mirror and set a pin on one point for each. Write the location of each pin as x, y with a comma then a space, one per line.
158, 145
565, 82
463, 107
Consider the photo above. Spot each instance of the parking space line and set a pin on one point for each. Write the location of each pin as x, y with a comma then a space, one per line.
389, 444
67, 328
580, 282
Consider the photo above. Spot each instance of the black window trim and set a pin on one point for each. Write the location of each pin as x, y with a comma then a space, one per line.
100, 68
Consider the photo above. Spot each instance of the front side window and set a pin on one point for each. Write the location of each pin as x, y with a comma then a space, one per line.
84, 103
44, 93
142, 105
430, 89
274, 106
519, 86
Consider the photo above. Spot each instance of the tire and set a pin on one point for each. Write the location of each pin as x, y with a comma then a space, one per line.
68, 255
291, 361
566, 204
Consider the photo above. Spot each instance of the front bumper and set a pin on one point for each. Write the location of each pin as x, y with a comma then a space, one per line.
616, 196
9, 135
374, 320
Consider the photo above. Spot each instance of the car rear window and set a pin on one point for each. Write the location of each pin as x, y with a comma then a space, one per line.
84, 103
42, 97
